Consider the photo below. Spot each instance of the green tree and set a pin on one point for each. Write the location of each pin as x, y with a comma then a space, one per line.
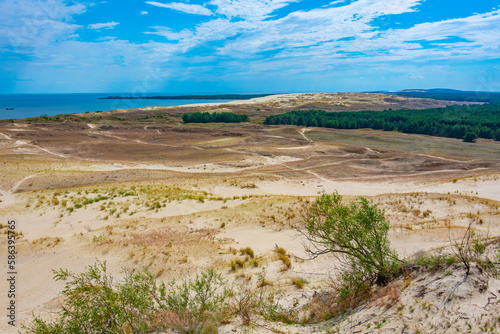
470, 137
357, 231
497, 135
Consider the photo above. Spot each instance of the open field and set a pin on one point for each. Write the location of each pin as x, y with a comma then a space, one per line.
178, 198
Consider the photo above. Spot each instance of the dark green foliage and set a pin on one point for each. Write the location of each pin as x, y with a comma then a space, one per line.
470, 137
205, 117
497, 135
358, 231
452, 122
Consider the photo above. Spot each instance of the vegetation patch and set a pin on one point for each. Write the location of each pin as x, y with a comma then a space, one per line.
206, 117
462, 122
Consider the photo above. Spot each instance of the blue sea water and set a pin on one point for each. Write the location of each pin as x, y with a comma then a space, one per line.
33, 105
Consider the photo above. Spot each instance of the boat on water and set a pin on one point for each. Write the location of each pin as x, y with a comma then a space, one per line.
9, 108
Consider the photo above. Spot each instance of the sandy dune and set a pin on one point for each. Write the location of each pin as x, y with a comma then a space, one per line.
180, 198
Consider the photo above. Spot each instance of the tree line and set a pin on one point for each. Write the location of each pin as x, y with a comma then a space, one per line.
453, 95
453, 121
206, 117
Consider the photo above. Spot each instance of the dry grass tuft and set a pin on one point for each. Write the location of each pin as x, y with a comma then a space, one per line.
247, 251
299, 282
282, 255
388, 295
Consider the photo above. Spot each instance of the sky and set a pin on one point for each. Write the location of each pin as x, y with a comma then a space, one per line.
248, 46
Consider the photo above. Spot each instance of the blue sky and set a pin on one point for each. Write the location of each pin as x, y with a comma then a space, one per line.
248, 46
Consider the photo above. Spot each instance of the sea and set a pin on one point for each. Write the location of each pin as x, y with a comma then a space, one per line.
15, 106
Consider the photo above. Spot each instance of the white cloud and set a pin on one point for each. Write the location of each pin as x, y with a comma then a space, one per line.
169, 33
144, 12
326, 39
183, 7
249, 9
107, 25
312, 29
27, 24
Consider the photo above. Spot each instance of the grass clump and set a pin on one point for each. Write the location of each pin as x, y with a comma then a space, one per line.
236, 263
299, 282
248, 251
282, 255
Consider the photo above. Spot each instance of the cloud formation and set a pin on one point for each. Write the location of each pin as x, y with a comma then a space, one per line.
227, 39
249, 9
107, 25
183, 7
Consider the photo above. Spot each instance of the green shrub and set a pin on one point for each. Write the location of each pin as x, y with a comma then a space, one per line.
470, 137
358, 231
94, 304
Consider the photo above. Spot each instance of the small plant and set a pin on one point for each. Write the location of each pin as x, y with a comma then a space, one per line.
236, 263
299, 282
468, 248
99, 239
281, 252
247, 251
254, 262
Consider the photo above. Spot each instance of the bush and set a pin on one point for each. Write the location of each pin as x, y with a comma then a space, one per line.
94, 304
357, 231
470, 137
206, 117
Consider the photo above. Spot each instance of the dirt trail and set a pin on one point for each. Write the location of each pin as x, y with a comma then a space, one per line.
18, 143
9, 197
6, 136
302, 133
440, 158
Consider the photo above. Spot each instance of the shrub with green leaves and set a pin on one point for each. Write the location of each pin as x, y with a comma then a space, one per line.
139, 304
357, 231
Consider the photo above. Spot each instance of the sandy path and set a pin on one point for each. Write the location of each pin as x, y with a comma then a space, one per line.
157, 131
128, 140
303, 134
440, 158
8, 197
20, 143
5, 136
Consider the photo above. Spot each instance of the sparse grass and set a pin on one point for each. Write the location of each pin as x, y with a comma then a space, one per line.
388, 295
434, 261
47, 241
283, 257
265, 282
236, 263
248, 251
100, 239
299, 282
286, 260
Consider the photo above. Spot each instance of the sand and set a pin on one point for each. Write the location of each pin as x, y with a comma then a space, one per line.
245, 185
